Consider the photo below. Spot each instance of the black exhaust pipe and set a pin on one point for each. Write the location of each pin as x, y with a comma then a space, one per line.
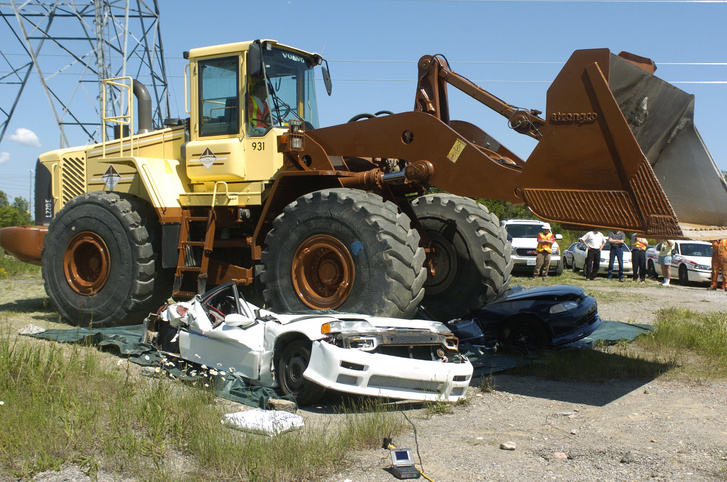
144, 107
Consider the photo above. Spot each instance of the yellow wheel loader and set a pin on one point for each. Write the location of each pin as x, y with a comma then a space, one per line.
251, 189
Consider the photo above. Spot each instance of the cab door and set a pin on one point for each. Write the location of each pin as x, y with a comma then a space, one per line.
215, 151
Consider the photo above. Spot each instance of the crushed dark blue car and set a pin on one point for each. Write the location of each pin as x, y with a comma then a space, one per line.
531, 319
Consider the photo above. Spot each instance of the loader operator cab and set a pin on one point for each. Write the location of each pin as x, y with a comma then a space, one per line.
243, 96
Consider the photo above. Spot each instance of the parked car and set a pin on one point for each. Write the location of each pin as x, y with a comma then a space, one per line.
691, 261
523, 234
304, 355
567, 256
532, 319
581, 250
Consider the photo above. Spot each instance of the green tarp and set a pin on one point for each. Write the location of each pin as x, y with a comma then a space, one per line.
126, 342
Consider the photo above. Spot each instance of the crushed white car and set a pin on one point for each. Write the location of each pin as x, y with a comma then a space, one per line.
306, 354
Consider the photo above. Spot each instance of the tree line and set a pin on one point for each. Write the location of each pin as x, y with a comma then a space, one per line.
16, 213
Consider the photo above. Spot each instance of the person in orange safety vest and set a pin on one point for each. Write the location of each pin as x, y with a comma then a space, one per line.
719, 262
258, 113
542, 252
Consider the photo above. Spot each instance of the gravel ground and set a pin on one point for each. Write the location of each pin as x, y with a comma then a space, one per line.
614, 431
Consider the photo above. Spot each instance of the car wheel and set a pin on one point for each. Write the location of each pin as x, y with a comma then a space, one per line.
346, 250
559, 268
471, 255
683, 276
292, 363
650, 269
525, 333
574, 267
565, 262
100, 261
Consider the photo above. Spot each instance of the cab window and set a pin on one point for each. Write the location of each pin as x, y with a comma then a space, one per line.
219, 108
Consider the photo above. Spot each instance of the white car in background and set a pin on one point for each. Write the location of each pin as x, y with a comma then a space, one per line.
691, 261
523, 234
580, 250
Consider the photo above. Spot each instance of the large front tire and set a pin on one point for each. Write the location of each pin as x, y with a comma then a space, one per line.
346, 250
100, 261
471, 258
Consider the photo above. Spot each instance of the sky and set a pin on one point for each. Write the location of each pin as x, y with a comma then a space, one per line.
512, 48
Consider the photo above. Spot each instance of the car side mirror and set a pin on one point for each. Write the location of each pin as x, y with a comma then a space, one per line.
237, 320
558, 236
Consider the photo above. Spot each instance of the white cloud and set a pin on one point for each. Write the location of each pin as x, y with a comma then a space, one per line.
4, 157
25, 137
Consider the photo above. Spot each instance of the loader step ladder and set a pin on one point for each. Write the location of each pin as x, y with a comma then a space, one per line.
196, 239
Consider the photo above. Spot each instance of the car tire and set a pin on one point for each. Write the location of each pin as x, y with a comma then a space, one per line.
525, 333
574, 267
559, 268
472, 255
683, 275
343, 249
565, 263
651, 269
292, 363
100, 261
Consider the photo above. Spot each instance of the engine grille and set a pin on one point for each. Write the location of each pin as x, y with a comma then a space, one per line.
380, 381
73, 178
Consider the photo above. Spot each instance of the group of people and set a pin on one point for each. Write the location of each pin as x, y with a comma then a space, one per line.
595, 241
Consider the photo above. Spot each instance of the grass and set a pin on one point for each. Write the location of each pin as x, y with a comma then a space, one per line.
11, 267
68, 403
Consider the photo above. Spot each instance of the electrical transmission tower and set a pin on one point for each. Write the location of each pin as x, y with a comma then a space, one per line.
72, 46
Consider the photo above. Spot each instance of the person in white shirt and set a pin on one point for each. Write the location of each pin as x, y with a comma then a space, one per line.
594, 240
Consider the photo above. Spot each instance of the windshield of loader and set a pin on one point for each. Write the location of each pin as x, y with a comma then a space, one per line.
287, 91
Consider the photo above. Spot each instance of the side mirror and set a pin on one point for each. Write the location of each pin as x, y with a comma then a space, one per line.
238, 321
255, 60
327, 79
558, 236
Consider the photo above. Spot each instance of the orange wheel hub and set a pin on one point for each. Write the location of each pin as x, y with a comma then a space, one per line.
322, 272
86, 263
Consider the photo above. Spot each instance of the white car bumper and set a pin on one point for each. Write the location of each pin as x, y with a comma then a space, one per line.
374, 374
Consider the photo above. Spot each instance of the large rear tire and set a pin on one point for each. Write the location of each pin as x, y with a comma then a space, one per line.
471, 258
100, 261
345, 250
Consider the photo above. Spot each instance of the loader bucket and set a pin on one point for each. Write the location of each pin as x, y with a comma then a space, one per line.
620, 150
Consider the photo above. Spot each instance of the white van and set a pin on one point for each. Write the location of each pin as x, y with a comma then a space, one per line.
523, 234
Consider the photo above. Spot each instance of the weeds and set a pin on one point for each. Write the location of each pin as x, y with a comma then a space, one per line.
63, 403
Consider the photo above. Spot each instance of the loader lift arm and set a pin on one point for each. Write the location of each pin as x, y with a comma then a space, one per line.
431, 96
605, 155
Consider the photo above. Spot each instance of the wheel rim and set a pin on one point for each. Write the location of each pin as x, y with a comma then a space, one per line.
296, 363
86, 263
445, 262
322, 272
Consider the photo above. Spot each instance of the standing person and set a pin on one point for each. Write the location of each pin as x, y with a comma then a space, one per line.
594, 240
545, 247
617, 240
638, 257
719, 262
665, 260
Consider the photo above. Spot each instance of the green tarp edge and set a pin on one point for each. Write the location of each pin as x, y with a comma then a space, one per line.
126, 342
